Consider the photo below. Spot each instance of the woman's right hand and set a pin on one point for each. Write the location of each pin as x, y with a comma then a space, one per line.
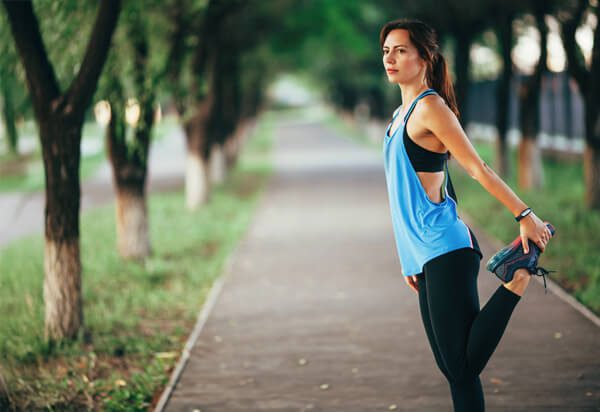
412, 282
533, 228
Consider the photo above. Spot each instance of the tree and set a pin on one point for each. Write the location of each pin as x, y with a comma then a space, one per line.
240, 34
503, 19
128, 147
209, 99
60, 117
530, 163
588, 81
194, 105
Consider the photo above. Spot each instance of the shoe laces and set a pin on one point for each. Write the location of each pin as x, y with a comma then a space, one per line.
540, 271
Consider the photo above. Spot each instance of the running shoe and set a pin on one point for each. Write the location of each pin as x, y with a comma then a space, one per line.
510, 258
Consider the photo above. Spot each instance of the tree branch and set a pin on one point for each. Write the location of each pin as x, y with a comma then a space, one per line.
41, 79
576, 63
83, 86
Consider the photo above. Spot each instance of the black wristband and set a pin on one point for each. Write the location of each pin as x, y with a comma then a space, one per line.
524, 213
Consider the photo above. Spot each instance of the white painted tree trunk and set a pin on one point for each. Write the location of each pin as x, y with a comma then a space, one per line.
62, 289
133, 240
196, 181
217, 164
531, 172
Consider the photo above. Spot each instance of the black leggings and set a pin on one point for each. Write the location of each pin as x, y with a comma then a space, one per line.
461, 336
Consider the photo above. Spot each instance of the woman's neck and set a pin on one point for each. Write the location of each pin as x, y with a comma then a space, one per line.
411, 91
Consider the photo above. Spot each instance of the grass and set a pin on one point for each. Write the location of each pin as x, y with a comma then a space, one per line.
137, 316
25, 173
573, 253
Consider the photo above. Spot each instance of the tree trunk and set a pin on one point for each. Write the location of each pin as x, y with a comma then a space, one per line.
8, 113
133, 240
591, 167
129, 165
197, 175
226, 109
60, 120
504, 29
530, 169
129, 178
233, 145
530, 164
587, 81
217, 164
502, 162
196, 181
62, 289
464, 39
62, 267
530, 172
591, 156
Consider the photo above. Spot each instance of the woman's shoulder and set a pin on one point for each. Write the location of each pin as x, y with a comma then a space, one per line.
433, 99
432, 105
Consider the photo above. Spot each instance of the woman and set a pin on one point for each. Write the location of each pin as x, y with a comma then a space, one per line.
438, 253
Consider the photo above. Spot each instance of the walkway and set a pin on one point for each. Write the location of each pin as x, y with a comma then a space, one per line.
314, 314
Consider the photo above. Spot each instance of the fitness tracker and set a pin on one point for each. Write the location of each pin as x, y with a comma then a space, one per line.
523, 214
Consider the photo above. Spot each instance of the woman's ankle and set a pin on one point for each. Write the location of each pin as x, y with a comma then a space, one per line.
519, 282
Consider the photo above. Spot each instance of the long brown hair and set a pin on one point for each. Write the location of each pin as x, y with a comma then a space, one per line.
426, 41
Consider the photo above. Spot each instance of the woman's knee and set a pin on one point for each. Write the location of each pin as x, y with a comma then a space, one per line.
458, 372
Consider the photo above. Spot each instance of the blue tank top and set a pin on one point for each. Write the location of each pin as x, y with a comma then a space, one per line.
422, 229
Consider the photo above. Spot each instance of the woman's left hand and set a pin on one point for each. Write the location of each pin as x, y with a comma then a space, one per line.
533, 228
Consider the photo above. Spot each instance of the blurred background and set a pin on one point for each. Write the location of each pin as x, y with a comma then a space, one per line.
166, 109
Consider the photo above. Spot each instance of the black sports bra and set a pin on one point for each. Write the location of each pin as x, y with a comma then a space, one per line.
423, 160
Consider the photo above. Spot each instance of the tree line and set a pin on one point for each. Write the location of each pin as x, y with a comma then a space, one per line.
340, 50
213, 59
193, 49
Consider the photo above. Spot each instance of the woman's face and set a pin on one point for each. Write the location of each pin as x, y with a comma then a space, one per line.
401, 59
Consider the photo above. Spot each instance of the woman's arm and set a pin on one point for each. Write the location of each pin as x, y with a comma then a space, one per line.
437, 117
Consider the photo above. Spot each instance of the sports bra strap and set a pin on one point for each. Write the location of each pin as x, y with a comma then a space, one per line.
414, 103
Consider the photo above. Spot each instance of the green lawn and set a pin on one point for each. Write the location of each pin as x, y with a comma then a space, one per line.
573, 253
137, 316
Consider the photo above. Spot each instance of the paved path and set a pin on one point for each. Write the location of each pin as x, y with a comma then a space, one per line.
23, 213
316, 278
